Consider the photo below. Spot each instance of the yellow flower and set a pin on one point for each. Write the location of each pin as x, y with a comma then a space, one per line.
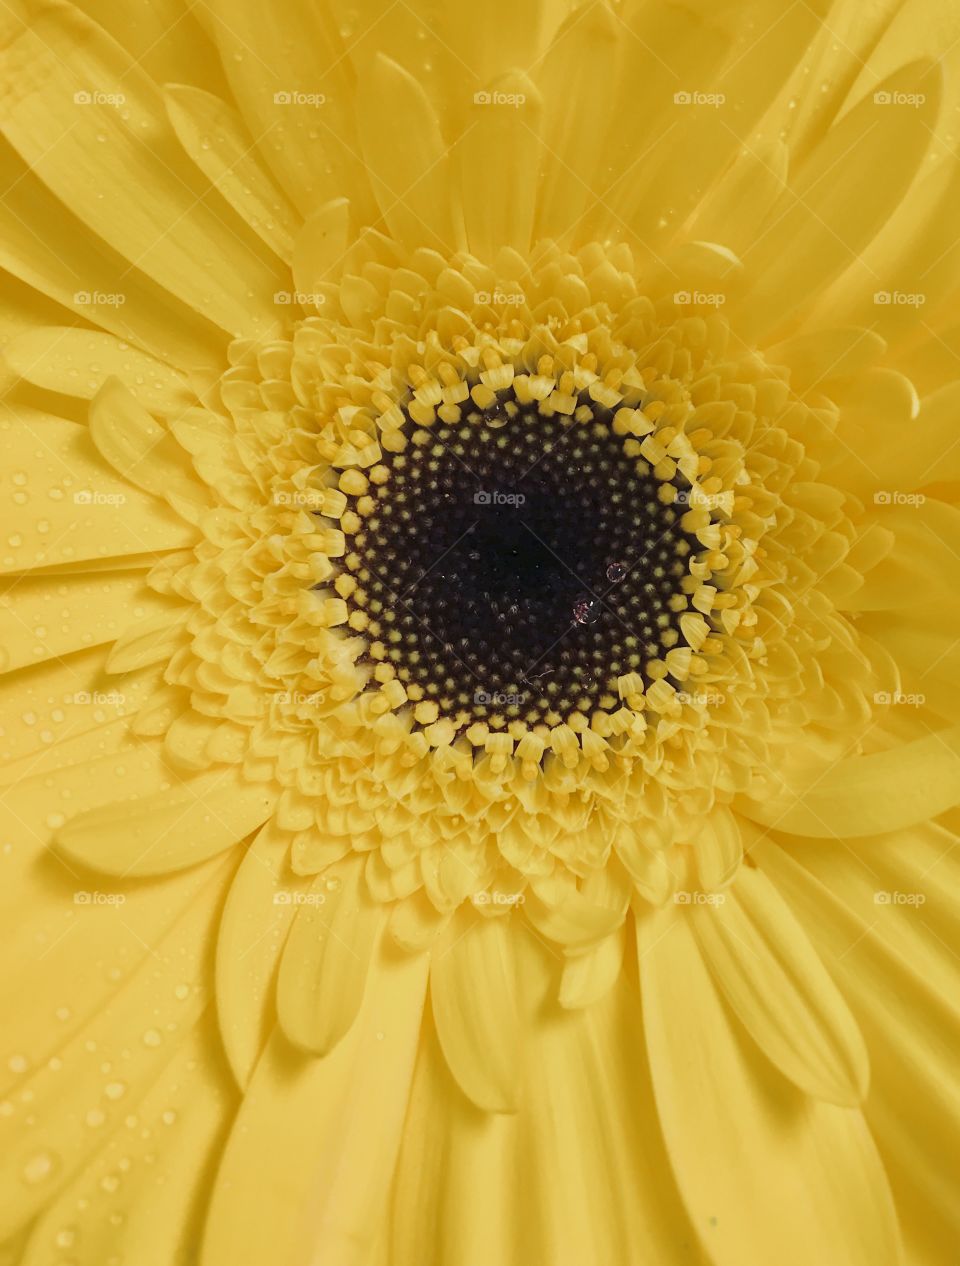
481, 738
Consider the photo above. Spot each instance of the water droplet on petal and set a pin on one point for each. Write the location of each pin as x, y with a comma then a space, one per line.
615, 572
39, 1167
496, 417
586, 610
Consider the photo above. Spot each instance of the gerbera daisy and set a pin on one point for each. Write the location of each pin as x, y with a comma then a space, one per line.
479, 671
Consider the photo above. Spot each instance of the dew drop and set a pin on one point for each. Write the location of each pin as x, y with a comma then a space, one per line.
39, 1167
615, 572
586, 610
496, 417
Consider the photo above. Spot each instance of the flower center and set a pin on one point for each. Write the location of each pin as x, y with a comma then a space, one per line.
512, 565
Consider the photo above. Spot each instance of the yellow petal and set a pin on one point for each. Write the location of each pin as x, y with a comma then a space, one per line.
866, 795
774, 981
72, 506
408, 161
78, 362
292, 83
140, 449
498, 153
42, 617
214, 136
578, 91
826, 222
43, 243
718, 847
137, 1196
924, 557
321, 1136
198, 818
323, 971
741, 1137
898, 967
472, 990
106, 1064
122, 187
256, 919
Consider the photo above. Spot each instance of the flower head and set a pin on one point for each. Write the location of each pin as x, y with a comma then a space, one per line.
480, 547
